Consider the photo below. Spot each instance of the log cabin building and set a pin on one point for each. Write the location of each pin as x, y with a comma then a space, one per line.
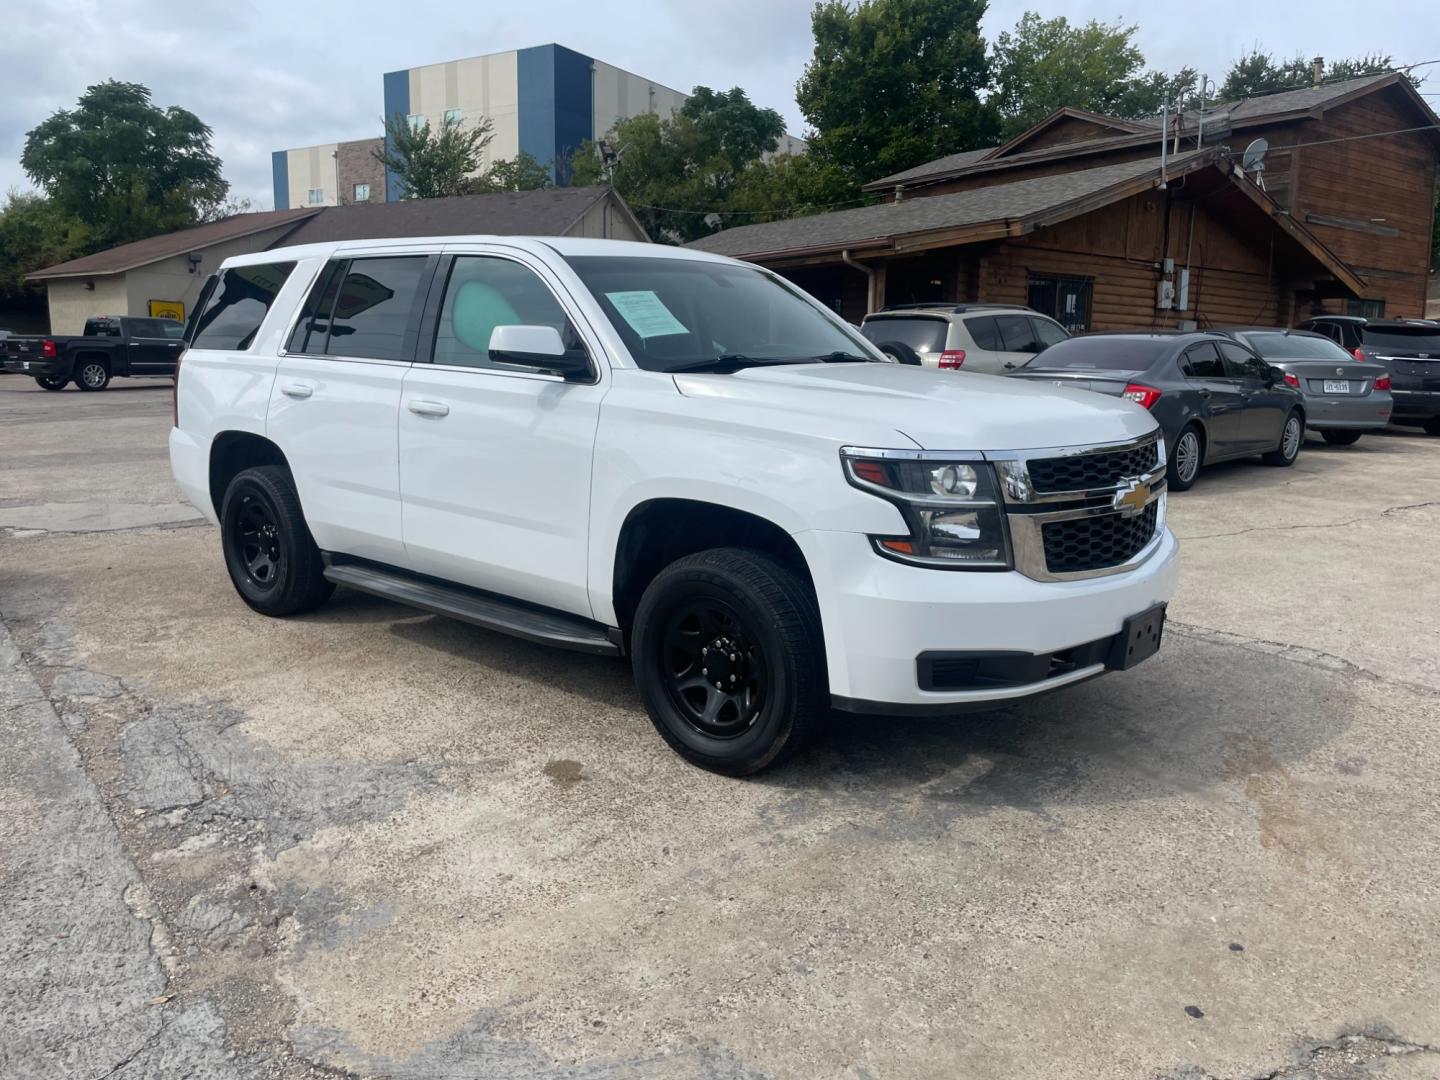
1076, 218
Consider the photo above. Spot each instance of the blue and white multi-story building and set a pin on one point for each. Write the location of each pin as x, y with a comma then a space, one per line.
544, 101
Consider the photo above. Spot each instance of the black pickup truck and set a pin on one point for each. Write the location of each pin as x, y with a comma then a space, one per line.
112, 345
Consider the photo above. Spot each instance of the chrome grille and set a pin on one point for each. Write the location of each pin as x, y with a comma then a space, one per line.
1081, 471
1097, 543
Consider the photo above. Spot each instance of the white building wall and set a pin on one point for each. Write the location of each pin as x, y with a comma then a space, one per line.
312, 167
71, 303
618, 95
481, 86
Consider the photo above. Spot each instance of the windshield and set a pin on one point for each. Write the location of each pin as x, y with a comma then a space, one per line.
1102, 353
1295, 347
1425, 339
678, 314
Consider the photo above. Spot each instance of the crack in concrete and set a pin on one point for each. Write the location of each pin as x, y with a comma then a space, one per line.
1352, 1054
1389, 511
1296, 654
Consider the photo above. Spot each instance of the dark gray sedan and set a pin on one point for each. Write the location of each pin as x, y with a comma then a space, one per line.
1213, 397
1344, 396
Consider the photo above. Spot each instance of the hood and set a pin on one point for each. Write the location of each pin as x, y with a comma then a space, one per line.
936, 410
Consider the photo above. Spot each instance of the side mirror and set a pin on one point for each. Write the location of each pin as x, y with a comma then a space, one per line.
538, 347
1273, 375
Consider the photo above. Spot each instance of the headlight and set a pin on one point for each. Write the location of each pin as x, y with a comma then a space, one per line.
952, 509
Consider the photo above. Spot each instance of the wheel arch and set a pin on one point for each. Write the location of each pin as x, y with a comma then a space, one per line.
234, 451
660, 530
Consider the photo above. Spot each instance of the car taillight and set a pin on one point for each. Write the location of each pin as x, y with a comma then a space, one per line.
48, 349
951, 359
175, 392
1292, 380
1144, 396
1382, 383
1358, 353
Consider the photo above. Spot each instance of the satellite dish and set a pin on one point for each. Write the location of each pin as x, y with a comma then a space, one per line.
1253, 160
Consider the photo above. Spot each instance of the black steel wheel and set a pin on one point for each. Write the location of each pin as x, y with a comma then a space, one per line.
91, 374
52, 382
729, 658
273, 561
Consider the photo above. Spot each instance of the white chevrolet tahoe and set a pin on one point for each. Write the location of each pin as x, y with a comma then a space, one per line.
639, 450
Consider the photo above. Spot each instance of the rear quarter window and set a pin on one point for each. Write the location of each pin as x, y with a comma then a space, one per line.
984, 333
235, 305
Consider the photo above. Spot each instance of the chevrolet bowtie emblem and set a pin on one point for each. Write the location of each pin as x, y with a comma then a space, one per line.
1132, 497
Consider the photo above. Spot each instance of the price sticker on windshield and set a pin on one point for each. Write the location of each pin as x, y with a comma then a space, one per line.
646, 313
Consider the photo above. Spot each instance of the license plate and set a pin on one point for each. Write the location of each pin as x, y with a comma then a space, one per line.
25, 366
1139, 639
1333, 387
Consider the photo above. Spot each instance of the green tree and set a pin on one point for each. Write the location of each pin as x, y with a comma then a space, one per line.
1258, 72
678, 171
1043, 64
790, 185
895, 83
123, 166
521, 173
430, 163
34, 233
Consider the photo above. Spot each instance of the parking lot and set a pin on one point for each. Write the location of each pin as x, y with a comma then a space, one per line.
372, 842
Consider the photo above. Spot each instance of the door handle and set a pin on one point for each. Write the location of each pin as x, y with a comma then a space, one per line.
297, 390
421, 407
1204, 393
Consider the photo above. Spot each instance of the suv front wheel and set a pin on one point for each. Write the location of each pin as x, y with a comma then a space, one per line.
273, 561
729, 659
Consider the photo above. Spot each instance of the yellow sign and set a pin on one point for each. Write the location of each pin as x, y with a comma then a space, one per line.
167, 309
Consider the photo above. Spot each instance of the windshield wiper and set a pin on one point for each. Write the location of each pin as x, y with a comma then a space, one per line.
732, 361
842, 358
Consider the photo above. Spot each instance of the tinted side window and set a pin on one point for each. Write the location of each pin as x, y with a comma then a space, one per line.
1239, 364
374, 307
238, 305
1048, 333
101, 328
313, 327
1017, 333
146, 328
1202, 362
485, 292
985, 332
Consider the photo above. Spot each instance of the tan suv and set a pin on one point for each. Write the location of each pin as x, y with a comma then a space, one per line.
989, 338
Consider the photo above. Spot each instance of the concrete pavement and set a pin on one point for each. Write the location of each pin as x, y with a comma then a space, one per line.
372, 842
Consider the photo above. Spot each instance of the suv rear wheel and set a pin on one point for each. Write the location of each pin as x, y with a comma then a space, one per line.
273, 561
729, 659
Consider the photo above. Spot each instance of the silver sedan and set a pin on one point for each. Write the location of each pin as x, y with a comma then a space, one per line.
1344, 396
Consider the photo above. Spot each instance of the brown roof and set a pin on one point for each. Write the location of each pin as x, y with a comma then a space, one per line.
1248, 112
548, 212
117, 260
881, 223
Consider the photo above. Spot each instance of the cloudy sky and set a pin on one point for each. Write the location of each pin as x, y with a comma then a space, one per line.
269, 75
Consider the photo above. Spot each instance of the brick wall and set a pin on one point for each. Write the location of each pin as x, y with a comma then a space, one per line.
355, 164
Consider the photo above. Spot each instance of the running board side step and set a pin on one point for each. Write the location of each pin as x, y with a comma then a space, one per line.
482, 609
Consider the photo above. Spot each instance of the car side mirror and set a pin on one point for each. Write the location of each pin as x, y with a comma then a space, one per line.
1273, 375
538, 347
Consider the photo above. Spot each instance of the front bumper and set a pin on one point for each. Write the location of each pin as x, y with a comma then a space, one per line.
1419, 403
880, 616
1354, 413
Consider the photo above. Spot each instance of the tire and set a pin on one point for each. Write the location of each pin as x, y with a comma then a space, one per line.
52, 382
1292, 437
704, 605
901, 353
1341, 438
272, 558
1186, 457
1432, 426
91, 375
